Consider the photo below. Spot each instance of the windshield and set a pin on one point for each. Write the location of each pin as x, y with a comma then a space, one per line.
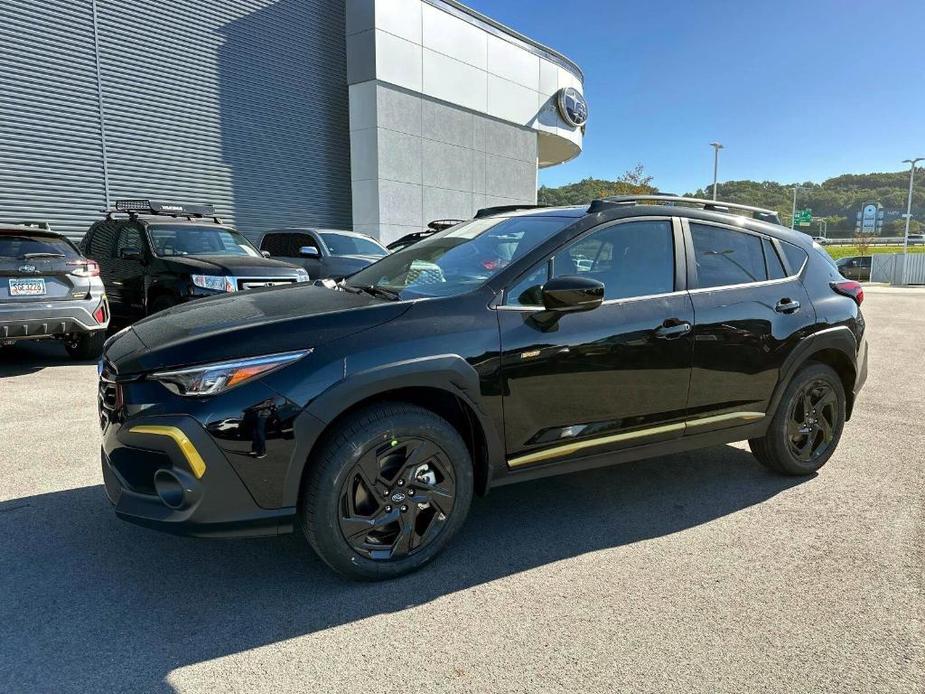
459, 259
345, 244
189, 239
25, 246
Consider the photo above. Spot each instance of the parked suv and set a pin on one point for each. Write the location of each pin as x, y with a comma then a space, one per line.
49, 291
323, 253
520, 344
855, 267
153, 255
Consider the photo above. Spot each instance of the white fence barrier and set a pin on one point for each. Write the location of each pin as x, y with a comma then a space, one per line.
888, 267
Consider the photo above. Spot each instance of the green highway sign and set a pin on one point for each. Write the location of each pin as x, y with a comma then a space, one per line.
803, 217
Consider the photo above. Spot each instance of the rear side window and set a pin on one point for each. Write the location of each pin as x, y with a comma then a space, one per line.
102, 240
130, 239
775, 267
796, 256
725, 257
25, 246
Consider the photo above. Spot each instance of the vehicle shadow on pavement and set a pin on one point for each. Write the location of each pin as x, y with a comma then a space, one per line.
92, 603
28, 358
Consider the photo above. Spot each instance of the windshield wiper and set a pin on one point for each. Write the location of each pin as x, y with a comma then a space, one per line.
30, 256
379, 292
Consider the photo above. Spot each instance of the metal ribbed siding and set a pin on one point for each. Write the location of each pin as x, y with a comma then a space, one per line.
51, 166
241, 103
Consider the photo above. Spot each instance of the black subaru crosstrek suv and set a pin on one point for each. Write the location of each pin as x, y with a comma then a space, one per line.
153, 255
521, 344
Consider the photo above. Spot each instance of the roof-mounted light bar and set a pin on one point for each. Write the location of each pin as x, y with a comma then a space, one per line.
760, 213
162, 207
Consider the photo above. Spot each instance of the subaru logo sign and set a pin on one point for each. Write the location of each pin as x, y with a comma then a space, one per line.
27, 269
572, 107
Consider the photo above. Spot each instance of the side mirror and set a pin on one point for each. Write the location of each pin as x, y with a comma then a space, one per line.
130, 254
265, 254
572, 294
309, 252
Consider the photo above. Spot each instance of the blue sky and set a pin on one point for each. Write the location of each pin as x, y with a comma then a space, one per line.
795, 90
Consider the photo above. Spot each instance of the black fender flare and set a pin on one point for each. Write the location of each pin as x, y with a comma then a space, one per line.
448, 372
839, 338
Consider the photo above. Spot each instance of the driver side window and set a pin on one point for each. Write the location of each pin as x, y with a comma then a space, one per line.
630, 258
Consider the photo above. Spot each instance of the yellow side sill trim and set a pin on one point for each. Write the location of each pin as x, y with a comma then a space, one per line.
196, 463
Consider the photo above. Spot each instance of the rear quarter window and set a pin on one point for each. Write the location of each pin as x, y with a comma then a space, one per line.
796, 257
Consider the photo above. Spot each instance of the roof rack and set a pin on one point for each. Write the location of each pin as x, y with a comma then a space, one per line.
712, 205
161, 207
498, 209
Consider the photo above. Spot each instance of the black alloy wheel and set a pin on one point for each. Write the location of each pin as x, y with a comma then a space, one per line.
397, 498
812, 422
807, 424
389, 487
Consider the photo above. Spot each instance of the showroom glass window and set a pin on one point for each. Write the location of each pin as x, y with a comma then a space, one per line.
631, 259
725, 257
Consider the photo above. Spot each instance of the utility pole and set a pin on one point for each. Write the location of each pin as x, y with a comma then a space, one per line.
911, 163
716, 148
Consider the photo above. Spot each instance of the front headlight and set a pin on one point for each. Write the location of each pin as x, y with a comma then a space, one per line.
218, 283
301, 275
211, 379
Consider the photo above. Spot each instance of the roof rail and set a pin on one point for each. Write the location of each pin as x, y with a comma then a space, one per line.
498, 209
712, 205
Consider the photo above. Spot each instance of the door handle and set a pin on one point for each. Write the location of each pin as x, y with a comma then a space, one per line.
672, 329
786, 305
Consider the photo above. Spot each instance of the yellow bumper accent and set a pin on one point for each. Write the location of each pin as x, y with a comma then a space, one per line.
196, 463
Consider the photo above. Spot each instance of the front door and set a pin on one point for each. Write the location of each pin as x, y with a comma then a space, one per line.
613, 377
750, 313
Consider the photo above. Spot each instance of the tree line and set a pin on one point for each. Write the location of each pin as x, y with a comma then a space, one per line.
836, 199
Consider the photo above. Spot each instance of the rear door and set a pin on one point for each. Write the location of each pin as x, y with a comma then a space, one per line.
38, 268
128, 274
750, 310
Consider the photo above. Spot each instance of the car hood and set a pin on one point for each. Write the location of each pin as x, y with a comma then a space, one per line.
231, 326
237, 265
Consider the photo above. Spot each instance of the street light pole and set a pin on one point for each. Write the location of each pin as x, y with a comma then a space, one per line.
911, 163
716, 148
793, 213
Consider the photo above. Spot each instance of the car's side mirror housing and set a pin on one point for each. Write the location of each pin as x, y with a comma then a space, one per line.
309, 252
572, 294
265, 254
130, 254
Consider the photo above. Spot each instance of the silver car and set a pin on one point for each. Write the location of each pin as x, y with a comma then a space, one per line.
48, 290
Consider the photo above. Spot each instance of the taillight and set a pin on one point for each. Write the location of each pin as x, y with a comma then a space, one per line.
849, 288
84, 268
100, 313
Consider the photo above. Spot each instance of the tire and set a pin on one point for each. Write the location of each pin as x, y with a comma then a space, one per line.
391, 442
87, 345
804, 432
161, 303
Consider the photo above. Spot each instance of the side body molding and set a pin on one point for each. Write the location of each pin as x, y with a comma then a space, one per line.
447, 372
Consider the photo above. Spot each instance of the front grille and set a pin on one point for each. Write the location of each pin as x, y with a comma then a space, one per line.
107, 396
256, 282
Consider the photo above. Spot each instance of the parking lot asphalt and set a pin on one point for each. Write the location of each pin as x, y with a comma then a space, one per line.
694, 572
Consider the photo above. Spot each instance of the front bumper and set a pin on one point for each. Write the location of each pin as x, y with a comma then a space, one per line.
167, 473
38, 320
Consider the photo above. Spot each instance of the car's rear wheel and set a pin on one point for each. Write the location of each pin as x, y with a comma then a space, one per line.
390, 487
86, 346
807, 425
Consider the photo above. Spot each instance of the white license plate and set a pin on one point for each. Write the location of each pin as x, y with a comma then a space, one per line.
30, 287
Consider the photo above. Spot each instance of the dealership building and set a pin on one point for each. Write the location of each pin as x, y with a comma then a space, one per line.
375, 115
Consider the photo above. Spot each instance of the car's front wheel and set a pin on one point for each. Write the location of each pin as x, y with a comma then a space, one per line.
390, 487
807, 425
